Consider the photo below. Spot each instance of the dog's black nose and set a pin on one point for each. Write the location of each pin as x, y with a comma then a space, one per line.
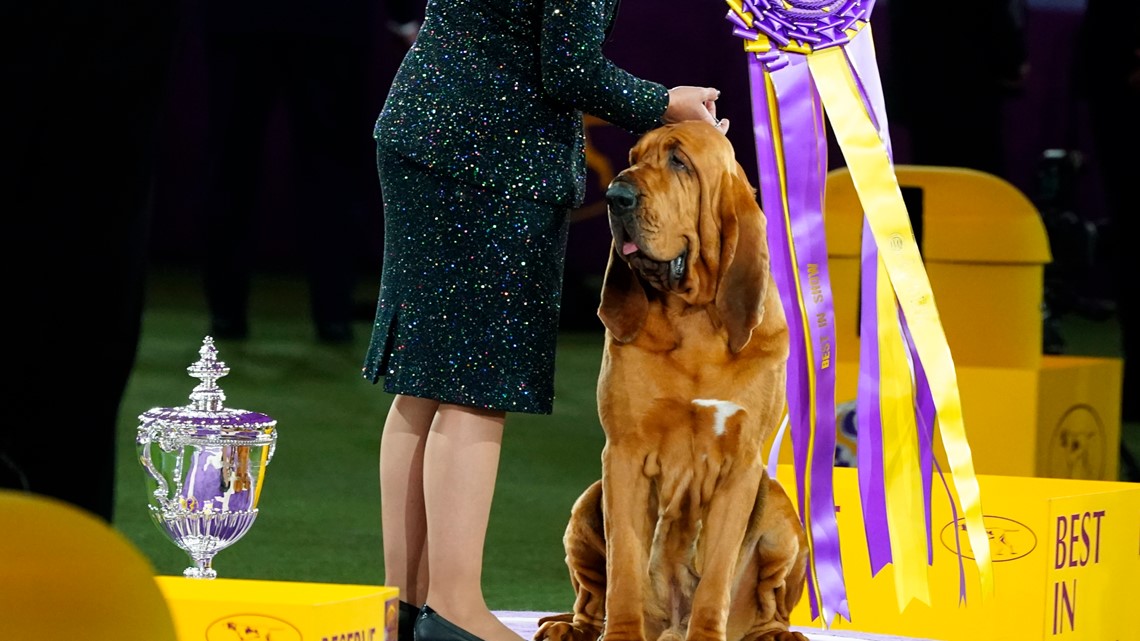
621, 198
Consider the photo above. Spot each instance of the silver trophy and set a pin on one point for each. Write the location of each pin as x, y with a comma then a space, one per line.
205, 466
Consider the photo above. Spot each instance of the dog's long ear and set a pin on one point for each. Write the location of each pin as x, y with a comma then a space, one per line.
624, 304
744, 260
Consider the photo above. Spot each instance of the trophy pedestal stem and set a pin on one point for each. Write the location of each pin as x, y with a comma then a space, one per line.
202, 570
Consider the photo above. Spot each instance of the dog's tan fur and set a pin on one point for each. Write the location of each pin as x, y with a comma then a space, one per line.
685, 536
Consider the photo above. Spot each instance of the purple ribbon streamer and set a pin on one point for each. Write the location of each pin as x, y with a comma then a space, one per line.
782, 268
957, 535
783, 273
869, 438
860, 54
805, 150
805, 157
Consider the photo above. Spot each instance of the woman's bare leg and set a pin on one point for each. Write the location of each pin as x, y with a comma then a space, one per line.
403, 517
461, 464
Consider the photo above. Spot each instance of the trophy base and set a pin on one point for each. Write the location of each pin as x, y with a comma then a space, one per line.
194, 572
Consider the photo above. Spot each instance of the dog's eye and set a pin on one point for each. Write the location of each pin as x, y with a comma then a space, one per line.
677, 161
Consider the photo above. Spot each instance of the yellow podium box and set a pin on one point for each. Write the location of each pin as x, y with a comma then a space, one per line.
984, 248
236, 609
1064, 553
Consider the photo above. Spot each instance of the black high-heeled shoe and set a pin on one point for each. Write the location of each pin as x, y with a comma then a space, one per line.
407, 626
430, 626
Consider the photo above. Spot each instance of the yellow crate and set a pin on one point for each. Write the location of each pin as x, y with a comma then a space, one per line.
984, 247
1064, 557
1078, 417
237, 609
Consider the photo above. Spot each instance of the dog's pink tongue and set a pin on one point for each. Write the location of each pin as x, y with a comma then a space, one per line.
628, 248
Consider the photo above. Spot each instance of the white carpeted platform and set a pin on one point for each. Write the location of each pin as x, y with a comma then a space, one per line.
525, 623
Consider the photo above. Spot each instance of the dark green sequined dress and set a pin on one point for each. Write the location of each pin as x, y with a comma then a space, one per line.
481, 156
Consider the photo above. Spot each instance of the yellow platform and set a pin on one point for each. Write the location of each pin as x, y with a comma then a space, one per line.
1065, 561
237, 609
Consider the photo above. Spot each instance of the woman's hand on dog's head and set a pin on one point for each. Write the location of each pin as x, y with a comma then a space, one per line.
694, 103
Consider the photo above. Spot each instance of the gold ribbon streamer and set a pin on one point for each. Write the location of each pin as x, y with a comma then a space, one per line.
877, 186
902, 478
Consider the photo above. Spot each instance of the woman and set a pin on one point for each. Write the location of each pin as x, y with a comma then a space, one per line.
480, 151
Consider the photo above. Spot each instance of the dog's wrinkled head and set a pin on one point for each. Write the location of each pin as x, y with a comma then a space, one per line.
685, 223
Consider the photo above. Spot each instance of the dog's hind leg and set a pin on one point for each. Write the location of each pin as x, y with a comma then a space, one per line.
781, 568
586, 559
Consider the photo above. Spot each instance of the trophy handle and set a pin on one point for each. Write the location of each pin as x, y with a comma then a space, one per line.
161, 490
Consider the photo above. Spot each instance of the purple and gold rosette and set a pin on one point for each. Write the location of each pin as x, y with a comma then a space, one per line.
810, 60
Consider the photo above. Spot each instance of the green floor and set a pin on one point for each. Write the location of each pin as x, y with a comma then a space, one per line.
319, 516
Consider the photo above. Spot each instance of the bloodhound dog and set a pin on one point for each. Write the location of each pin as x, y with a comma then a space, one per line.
686, 536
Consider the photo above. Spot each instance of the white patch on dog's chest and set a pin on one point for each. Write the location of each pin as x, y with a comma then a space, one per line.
724, 409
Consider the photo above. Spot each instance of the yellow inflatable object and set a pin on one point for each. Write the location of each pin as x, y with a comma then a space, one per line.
67, 575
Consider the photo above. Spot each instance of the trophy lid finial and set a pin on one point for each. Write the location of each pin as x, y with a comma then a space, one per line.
207, 396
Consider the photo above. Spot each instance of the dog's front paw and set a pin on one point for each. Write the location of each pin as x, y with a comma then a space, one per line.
560, 627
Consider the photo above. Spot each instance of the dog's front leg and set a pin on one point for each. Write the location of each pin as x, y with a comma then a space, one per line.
723, 533
625, 495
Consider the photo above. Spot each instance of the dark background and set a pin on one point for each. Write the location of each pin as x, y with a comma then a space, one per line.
690, 43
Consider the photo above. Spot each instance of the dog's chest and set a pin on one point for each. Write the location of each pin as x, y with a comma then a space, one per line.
694, 444
693, 409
